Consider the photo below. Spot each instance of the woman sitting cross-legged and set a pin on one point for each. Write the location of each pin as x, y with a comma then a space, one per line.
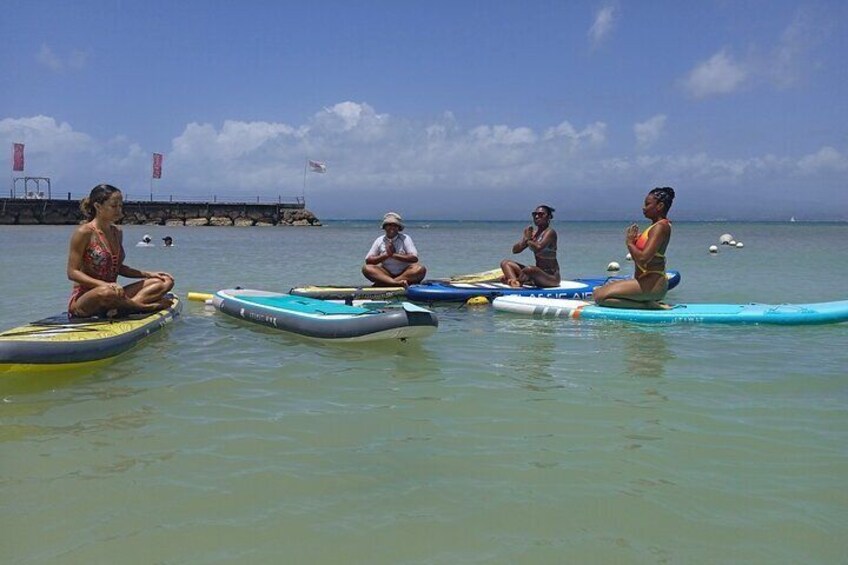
541, 239
96, 258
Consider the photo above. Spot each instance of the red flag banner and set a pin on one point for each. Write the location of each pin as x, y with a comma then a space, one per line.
317, 167
18, 157
157, 165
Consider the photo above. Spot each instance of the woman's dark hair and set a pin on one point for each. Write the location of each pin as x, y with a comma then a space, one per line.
98, 195
547, 209
664, 194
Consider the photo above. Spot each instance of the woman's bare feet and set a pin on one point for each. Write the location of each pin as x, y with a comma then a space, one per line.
161, 304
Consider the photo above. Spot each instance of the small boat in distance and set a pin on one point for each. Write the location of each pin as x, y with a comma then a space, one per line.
792, 219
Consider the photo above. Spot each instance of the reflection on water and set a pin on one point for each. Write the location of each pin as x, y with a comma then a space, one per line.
500, 438
18, 383
647, 351
413, 361
532, 359
536, 372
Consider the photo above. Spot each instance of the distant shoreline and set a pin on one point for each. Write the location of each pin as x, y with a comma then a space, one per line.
418, 222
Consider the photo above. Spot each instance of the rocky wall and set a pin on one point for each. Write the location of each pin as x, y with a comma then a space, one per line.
67, 212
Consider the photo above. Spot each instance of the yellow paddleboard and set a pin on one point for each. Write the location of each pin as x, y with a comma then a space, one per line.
349, 292
60, 342
484, 276
354, 292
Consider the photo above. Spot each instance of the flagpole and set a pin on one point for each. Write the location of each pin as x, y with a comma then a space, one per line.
303, 192
17, 166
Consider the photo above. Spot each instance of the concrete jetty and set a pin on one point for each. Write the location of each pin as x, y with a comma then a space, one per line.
23, 211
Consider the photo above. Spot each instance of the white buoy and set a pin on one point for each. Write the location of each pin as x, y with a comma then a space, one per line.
629, 257
713, 248
739, 245
726, 239
733, 243
613, 266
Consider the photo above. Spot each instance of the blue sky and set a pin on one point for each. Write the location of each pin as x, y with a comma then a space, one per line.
453, 110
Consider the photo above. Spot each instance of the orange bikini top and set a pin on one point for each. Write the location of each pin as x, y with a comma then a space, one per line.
642, 240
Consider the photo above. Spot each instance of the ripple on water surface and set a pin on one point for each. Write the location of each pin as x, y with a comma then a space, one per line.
500, 438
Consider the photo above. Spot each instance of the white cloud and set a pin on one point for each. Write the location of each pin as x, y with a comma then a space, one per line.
73, 160
503, 135
45, 132
649, 131
789, 60
703, 168
234, 140
594, 133
49, 59
720, 74
427, 167
75, 60
824, 160
603, 24
780, 65
358, 119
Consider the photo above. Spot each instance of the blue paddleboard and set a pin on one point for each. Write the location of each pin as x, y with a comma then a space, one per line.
440, 291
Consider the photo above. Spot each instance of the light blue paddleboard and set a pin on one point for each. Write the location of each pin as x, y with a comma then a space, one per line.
785, 314
321, 319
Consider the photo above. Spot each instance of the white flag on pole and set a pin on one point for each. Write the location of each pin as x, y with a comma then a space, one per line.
317, 166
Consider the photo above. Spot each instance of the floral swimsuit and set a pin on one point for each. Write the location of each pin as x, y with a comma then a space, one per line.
99, 262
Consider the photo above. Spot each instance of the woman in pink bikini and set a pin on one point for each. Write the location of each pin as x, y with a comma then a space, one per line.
96, 258
649, 284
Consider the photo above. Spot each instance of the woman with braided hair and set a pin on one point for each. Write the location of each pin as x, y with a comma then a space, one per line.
649, 284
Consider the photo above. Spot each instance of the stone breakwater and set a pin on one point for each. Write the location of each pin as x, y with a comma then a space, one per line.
66, 212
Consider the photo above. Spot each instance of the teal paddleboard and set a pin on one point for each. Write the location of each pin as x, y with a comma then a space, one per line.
785, 314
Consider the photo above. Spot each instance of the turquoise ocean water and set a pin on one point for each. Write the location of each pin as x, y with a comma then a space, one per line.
500, 439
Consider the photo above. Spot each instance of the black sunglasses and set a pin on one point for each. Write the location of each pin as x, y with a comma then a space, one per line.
534, 214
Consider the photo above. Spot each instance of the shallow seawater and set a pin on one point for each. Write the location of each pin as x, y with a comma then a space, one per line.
499, 439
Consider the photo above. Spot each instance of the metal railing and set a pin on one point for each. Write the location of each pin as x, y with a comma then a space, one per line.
188, 199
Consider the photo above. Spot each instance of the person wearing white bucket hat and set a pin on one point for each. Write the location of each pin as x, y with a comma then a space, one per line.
393, 258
